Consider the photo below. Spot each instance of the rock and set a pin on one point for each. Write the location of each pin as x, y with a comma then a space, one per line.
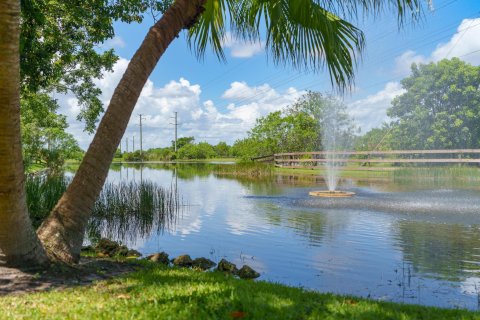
203, 263
87, 249
247, 273
122, 251
161, 257
133, 253
107, 247
183, 261
226, 266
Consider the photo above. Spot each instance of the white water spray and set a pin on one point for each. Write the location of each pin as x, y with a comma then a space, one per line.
335, 138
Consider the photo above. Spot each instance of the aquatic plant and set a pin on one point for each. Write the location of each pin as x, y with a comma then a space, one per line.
122, 209
43, 192
126, 210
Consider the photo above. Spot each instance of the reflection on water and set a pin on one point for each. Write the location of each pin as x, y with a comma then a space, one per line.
417, 246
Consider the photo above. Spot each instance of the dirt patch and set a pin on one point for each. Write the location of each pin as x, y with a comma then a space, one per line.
19, 281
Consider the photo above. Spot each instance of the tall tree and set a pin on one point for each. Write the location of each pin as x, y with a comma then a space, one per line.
440, 108
17, 238
302, 33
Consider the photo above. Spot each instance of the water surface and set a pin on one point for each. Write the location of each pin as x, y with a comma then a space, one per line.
418, 245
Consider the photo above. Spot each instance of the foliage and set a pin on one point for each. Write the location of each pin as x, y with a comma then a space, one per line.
222, 150
298, 128
44, 138
440, 108
59, 46
160, 154
377, 139
157, 291
202, 150
187, 149
133, 156
183, 141
305, 34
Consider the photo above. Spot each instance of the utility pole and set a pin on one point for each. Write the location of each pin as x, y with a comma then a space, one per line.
126, 142
176, 125
133, 142
141, 140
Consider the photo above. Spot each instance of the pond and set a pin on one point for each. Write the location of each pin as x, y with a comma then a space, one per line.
412, 242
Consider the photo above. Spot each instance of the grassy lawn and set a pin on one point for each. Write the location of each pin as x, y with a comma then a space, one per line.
159, 292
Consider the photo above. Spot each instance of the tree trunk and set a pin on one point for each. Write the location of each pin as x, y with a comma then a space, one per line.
18, 240
63, 231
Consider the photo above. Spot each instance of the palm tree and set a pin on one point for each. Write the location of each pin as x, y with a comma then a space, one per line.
308, 34
18, 240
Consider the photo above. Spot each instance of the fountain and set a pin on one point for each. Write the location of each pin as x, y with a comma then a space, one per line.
336, 137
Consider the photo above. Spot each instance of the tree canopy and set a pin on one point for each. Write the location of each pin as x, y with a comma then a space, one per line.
297, 128
440, 108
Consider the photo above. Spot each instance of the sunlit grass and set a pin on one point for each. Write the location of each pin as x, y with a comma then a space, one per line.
159, 292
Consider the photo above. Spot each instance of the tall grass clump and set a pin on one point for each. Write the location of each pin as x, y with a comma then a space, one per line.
43, 192
438, 174
123, 210
126, 210
251, 170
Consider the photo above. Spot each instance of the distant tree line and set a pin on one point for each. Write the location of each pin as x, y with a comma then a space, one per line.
187, 149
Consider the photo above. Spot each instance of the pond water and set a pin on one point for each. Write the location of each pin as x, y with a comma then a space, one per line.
393, 241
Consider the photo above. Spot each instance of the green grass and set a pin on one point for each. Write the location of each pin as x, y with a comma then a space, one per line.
348, 172
251, 170
158, 292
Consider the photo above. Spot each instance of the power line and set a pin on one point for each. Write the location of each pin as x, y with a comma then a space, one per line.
141, 139
176, 125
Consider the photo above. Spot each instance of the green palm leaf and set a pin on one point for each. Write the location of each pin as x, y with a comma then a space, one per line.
307, 34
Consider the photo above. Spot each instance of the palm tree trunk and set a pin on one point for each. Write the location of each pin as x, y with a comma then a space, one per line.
18, 240
63, 231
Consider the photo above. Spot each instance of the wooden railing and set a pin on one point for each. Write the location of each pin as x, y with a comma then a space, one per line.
367, 158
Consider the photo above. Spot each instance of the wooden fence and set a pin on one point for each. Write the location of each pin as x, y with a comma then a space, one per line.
314, 160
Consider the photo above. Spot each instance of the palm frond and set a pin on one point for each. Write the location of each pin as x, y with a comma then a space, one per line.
307, 34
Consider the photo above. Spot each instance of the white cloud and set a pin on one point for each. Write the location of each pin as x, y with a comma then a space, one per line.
464, 41
115, 42
204, 120
242, 49
462, 44
404, 62
371, 111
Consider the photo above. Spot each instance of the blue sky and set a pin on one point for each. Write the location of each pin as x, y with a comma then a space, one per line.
219, 101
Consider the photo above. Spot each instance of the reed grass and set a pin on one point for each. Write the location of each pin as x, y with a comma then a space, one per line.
122, 211
127, 210
252, 170
43, 192
438, 174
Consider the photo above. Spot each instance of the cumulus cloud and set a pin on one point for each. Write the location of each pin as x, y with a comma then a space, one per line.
371, 111
242, 49
464, 44
225, 120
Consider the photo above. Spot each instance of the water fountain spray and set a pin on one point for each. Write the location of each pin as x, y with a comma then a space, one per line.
336, 138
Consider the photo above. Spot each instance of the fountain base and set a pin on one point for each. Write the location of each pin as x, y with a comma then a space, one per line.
332, 194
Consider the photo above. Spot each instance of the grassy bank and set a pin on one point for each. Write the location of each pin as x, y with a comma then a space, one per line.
158, 292
397, 173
